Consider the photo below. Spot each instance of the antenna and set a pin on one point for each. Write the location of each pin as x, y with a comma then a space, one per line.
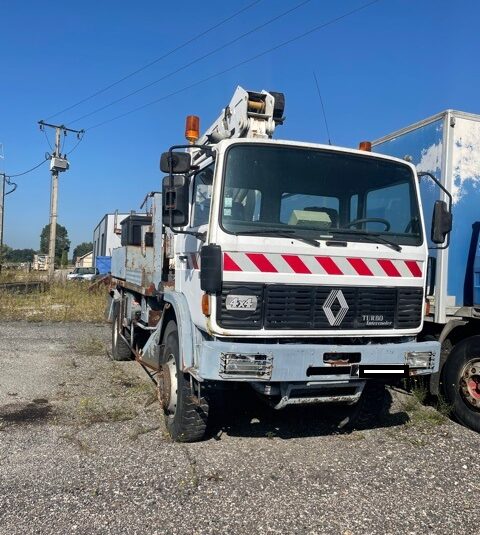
323, 108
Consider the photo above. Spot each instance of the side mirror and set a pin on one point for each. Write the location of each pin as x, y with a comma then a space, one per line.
441, 222
175, 201
180, 161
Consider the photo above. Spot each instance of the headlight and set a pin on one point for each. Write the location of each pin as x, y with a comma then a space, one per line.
419, 359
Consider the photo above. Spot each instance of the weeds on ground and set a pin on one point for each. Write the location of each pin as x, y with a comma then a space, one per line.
426, 417
141, 430
136, 387
355, 436
17, 275
91, 346
420, 415
92, 411
443, 406
62, 301
423, 420
82, 444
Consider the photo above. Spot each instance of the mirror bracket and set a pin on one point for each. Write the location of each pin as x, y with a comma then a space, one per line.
449, 208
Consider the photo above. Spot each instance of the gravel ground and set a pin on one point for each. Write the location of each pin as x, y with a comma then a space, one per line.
83, 450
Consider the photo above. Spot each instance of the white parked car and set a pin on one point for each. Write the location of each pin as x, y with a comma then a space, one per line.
83, 273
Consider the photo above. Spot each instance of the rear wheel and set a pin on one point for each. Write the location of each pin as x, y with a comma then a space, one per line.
185, 415
461, 376
120, 348
369, 409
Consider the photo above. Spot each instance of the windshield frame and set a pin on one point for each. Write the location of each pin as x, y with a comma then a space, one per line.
320, 234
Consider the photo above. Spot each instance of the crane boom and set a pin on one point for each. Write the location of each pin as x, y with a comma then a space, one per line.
250, 114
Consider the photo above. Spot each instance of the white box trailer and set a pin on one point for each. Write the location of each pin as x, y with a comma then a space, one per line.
448, 146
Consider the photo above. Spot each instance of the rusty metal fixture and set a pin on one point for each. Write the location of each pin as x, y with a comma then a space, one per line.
167, 385
337, 362
154, 317
470, 383
139, 358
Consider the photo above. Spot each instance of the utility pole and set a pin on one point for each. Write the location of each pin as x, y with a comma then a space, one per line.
2, 203
57, 164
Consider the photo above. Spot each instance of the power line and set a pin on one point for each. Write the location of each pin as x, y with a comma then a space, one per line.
193, 62
80, 139
32, 169
241, 63
323, 108
14, 184
160, 58
48, 141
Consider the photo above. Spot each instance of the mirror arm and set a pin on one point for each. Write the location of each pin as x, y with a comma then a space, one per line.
210, 152
202, 236
440, 185
450, 202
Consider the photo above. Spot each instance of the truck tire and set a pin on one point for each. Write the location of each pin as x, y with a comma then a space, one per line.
185, 416
120, 348
461, 382
369, 409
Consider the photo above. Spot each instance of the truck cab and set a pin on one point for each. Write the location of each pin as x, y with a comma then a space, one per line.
297, 268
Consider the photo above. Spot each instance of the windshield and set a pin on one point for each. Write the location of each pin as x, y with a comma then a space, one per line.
318, 194
84, 271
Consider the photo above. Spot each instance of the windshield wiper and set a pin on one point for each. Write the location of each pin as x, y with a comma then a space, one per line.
280, 233
371, 236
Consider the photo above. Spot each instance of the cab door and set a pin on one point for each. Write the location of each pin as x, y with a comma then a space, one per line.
187, 271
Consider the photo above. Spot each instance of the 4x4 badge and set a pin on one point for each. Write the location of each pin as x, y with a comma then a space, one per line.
335, 320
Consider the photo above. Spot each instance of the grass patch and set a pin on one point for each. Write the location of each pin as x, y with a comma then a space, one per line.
355, 436
18, 275
79, 442
62, 301
421, 417
142, 430
443, 406
92, 411
92, 346
420, 393
426, 417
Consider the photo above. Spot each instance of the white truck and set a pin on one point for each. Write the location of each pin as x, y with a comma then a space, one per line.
448, 146
40, 262
295, 267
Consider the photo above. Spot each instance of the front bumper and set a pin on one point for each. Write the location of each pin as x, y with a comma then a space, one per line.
304, 362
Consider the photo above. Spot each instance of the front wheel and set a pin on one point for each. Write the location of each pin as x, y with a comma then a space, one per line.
185, 415
369, 409
462, 381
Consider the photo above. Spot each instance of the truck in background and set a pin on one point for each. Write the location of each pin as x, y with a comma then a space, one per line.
448, 146
295, 267
41, 262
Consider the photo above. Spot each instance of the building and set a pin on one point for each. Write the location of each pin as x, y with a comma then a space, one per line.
106, 235
85, 261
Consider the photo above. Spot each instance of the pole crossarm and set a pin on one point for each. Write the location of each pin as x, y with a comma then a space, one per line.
60, 126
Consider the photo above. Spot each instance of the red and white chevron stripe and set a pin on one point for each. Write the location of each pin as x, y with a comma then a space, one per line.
320, 265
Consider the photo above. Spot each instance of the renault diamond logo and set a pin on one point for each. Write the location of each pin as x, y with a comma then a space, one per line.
335, 320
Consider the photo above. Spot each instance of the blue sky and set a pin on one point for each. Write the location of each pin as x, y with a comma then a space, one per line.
382, 68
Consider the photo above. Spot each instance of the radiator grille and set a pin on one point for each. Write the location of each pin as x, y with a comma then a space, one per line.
299, 307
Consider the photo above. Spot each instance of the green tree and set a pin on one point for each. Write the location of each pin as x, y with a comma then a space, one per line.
4, 252
19, 255
62, 243
81, 249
